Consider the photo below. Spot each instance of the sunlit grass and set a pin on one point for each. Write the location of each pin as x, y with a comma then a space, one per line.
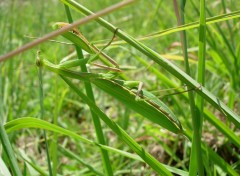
138, 133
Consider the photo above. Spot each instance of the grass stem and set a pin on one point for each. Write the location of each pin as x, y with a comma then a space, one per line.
96, 120
41, 97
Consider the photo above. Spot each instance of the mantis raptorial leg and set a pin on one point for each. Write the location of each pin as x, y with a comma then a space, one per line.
140, 86
143, 95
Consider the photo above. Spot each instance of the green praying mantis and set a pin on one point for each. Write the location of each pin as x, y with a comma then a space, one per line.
128, 92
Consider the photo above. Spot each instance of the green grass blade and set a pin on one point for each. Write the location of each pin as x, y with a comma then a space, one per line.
28, 122
90, 94
223, 128
201, 58
9, 151
234, 70
215, 158
195, 158
41, 98
197, 122
150, 160
3, 168
32, 167
36, 168
211, 20
207, 114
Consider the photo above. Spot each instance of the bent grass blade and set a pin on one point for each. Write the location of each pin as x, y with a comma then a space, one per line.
8, 150
29, 122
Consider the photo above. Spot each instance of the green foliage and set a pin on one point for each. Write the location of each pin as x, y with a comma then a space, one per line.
160, 130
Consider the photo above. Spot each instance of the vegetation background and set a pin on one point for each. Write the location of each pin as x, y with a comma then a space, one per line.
22, 20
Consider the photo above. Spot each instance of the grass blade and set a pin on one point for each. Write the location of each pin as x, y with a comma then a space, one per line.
214, 157
41, 98
90, 94
197, 122
29, 122
3, 168
211, 20
150, 160
37, 123
9, 151
195, 160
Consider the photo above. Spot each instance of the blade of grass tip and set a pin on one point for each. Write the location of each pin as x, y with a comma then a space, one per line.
42, 111
196, 157
169, 66
96, 120
149, 159
9, 151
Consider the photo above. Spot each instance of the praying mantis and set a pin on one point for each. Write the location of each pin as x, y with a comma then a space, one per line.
128, 92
